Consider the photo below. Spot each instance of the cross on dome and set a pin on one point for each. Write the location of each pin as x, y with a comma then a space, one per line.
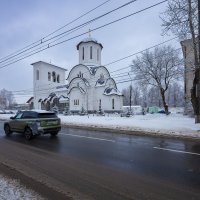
89, 33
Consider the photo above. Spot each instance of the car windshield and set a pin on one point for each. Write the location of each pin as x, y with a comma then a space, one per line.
47, 115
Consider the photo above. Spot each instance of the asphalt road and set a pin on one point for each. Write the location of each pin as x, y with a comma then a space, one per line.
98, 165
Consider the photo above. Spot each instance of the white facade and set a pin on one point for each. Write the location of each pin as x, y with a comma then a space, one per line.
90, 87
89, 52
46, 77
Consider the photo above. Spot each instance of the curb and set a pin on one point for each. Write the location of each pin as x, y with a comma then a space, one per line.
132, 132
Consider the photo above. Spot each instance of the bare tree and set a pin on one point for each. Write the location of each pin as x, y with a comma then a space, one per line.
158, 68
6, 98
135, 100
175, 95
182, 17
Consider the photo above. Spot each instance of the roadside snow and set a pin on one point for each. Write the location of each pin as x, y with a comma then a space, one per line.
13, 190
159, 123
173, 124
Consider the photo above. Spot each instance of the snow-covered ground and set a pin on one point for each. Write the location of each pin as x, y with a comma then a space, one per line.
173, 124
12, 189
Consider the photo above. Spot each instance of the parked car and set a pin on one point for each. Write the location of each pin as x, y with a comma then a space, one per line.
2, 112
32, 123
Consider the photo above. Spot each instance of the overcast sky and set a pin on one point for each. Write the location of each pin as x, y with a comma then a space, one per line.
26, 21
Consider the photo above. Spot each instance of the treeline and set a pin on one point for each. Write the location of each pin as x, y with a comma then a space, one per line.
150, 96
7, 100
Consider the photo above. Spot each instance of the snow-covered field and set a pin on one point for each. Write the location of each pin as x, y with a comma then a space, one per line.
173, 124
12, 189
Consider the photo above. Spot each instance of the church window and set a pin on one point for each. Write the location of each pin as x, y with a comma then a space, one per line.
49, 76
54, 76
99, 104
91, 52
58, 78
37, 75
83, 54
113, 103
76, 102
97, 54
80, 75
101, 76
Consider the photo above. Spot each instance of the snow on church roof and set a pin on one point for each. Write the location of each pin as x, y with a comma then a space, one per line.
111, 91
100, 82
49, 64
89, 39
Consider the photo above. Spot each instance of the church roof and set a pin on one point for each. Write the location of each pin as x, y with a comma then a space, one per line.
87, 40
112, 91
30, 99
100, 82
49, 64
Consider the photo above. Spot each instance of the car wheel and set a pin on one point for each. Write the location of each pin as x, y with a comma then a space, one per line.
28, 134
7, 129
54, 133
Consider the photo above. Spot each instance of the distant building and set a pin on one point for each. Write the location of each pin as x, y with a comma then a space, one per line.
188, 54
90, 87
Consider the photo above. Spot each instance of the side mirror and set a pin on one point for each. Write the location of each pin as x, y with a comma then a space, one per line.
12, 117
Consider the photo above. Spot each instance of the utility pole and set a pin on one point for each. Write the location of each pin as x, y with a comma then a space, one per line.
197, 70
130, 92
195, 91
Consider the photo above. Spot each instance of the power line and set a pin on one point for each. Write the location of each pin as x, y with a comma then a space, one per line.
117, 82
100, 27
115, 62
69, 31
39, 41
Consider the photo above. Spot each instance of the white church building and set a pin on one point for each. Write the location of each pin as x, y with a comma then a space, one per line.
88, 86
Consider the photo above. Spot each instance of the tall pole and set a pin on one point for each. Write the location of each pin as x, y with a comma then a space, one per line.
198, 38
198, 68
130, 92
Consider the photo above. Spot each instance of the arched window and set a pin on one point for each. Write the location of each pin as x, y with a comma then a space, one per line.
97, 54
49, 76
37, 74
58, 78
83, 56
113, 103
80, 74
99, 104
54, 76
101, 76
91, 52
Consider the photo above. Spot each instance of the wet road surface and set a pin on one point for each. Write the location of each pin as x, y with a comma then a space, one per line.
115, 166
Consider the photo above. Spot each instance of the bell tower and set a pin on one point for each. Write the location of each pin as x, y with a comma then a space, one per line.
89, 52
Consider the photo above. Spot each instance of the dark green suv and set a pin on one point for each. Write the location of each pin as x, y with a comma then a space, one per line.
34, 122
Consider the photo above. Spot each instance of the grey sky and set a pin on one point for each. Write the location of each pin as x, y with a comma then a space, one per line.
25, 21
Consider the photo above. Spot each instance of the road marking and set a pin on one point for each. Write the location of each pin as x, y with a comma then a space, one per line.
178, 151
93, 138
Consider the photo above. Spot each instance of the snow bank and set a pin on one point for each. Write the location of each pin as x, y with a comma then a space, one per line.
12, 190
173, 124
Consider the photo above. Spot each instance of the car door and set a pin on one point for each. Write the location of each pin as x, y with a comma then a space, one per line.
23, 121
15, 122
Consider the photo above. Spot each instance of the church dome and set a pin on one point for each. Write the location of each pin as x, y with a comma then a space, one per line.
87, 40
